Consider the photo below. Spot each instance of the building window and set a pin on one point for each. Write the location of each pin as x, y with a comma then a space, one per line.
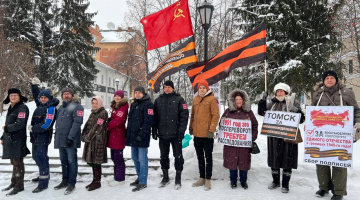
351, 67
95, 80
109, 82
102, 79
109, 98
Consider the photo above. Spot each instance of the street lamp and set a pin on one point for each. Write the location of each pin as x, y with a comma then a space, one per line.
205, 11
37, 59
117, 81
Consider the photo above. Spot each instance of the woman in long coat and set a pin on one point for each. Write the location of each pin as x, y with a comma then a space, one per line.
117, 130
95, 137
281, 154
239, 158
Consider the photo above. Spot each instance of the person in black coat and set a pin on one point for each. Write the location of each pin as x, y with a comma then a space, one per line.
14, 138
171, 118
140, 121
41, 131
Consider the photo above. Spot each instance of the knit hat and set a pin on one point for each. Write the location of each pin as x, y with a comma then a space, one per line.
14, 91
203, 83
330, 73
46, 93
169, 83
119, 93
99, 101
140, 89
282, 86
67, 90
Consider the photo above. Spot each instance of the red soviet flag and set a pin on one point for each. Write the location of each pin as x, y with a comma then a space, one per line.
168, 25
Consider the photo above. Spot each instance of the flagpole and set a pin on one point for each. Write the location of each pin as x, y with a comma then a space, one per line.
265, 76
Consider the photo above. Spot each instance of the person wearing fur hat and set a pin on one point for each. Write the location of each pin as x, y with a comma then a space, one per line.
330, 92
41, 131
238, 159
94, 135
171, 119
281, 153
14, 138
140, 121
69, 119
203, 122
117, 135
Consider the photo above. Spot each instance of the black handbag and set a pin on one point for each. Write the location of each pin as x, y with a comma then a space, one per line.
255, 148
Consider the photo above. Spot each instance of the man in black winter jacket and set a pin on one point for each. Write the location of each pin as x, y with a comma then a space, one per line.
171, 118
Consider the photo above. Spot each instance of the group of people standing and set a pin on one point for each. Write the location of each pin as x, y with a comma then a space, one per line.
166, 119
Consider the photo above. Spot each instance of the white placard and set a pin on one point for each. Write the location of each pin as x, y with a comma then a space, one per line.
235, 132
281, 124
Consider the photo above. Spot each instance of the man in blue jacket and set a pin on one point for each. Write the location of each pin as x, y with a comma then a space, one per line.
67, 138
41, 130
140, 121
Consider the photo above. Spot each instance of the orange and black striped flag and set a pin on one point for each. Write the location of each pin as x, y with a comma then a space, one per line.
249, 49
180, 58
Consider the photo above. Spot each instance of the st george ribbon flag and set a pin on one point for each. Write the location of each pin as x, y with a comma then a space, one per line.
180, 58
168, 25
249, 49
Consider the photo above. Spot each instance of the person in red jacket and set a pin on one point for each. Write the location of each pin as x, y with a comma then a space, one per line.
116, 142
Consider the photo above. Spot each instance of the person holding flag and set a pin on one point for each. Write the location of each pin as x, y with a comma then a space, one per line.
203, 122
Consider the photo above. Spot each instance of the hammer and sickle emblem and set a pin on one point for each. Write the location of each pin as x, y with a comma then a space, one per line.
178, 14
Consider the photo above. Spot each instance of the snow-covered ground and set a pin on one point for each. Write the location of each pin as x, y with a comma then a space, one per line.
303, 184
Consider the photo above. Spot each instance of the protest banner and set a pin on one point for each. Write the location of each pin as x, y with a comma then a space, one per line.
329, 135
281, 124
235, 132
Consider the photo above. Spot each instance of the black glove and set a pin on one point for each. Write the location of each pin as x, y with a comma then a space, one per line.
138, 138
69, 143
191, 132
154, 135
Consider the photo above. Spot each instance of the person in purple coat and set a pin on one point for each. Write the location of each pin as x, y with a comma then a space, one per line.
117, 130
238, 159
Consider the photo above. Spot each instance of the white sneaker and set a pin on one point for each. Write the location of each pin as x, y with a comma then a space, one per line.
114, 183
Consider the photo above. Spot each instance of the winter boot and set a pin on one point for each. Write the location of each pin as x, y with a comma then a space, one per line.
285, 182
8, 187
97, 179
15, 191
38, 189
337, 197
63, 184
178, 180
199, 182
233, 184
244, 185
37, 179
276, 179
321, 193
165, 180
136, 182
86, 187
207, 185
139, 187
69, 189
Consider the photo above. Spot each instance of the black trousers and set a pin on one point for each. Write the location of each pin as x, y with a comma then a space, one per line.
176, 144
204, 146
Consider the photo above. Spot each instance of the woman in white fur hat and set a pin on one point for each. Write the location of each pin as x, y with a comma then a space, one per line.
281, 154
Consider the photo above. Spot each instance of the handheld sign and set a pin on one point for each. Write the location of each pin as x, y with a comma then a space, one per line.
281, 124
235, 132
329, 135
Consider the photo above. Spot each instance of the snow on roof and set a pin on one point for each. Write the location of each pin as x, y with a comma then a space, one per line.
115, 36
